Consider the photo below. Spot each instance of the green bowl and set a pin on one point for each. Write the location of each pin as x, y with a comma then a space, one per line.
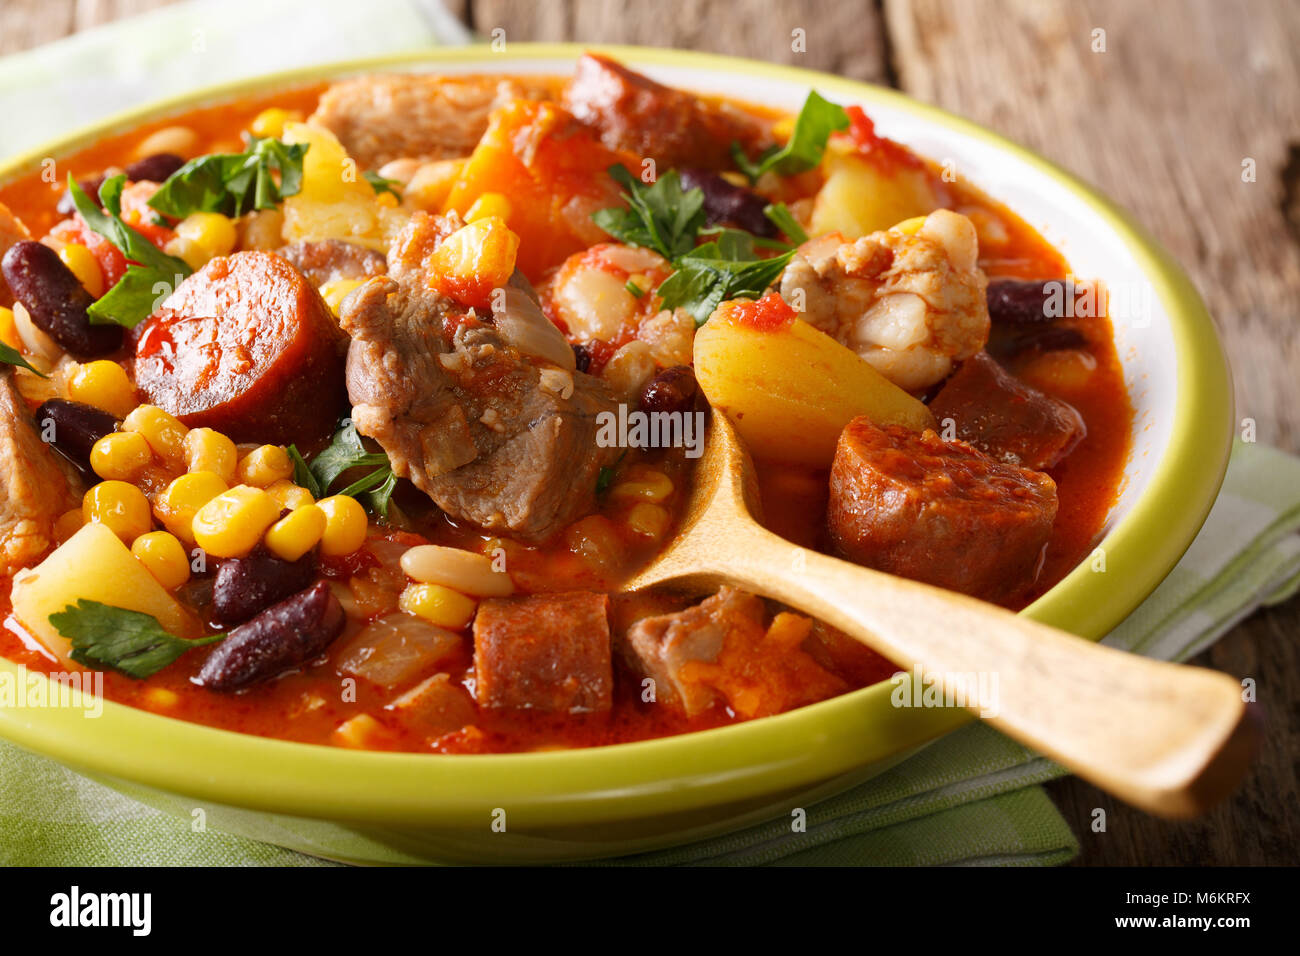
379, 807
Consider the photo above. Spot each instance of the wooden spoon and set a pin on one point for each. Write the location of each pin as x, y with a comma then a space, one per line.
1170, 739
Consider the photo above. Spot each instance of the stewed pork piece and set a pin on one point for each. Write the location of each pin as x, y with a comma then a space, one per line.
939, 512
327, 260
494, 435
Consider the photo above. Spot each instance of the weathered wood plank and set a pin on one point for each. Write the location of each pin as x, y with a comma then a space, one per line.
27, 23
844, 37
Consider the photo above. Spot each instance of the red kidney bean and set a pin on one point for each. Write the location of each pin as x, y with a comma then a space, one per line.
155, 168
581, 356
1029, 301
672, 390
726, 202
245, 586
56, 300
277, 640
73, 428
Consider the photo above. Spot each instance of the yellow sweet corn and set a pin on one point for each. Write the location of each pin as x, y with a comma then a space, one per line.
345, 525
270, 122
181, 500
84, 266
120, 455
120, 507
438, 605
264, 466
208, 450
296, 533
105, 385
232, 523
164, 556
163, 431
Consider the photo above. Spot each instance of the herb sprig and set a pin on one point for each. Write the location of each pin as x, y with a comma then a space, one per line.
659, 216
233, 183
11, 356
343, 453
817, 119
151, 274
127, 641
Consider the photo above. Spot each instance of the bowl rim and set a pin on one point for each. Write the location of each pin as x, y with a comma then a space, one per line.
690, 771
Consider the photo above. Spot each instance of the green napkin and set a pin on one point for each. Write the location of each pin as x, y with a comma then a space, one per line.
970, 798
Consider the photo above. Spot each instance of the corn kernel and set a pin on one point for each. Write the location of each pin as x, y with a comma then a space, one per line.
336, 291
164, 556
909, 227
84, 266
387, 199
164, 432
647, 520
361, 732
9, 330
296, 533
208, 450
160, 698
121, 507
210, 234
181, 500
105, 385
345, 525
120, 455
653, 486
438, 605
270, 122
232, 523
68, 524
489, 204
783, 128
264, 466
289, 495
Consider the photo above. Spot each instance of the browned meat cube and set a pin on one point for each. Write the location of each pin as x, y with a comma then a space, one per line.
327, 260
1006, 418
435, 707
390, 116
935, 511
720, 650
35, 487
544, 652
634, 113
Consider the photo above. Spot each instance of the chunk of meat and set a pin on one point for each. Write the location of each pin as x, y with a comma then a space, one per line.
544, 652
494, 436
939, 512
634, 113
35, 487
12, 231
1005, 417
434, 707
246, 346
389, 116
910, 303
327, 260
721, 651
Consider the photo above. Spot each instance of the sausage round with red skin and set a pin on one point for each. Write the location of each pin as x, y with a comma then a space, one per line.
247, 346
935, 511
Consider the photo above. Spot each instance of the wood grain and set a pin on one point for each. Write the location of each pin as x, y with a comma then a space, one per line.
1161, 121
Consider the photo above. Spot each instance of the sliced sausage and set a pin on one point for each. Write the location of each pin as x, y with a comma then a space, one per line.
634, 113
246, 346
940, 512
548, 653
1006, 418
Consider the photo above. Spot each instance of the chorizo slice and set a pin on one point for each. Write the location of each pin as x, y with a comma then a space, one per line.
246, 346
634, 113
548, 653
1006, 418
940, 512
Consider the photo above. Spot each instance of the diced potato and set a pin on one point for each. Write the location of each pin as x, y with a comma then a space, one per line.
859, 197
792, 391
93, 564
335, 201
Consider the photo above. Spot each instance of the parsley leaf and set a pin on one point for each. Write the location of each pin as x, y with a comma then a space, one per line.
713, 273
382, 185
781, 217
345, 452
817, 119
233, 183
151, 275
11, 356
127, 641
302, 475
660, 216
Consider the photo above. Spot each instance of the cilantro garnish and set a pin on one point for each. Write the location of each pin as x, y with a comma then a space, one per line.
151, 275
382, 185
127, 641
817, 119
712, 274
343, 453
660, 216
233, 183
11, 356
781, 217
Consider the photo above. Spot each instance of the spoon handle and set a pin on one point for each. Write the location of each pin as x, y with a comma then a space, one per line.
1167, 738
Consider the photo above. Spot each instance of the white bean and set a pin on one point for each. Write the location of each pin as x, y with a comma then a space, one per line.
459, 570
180, 140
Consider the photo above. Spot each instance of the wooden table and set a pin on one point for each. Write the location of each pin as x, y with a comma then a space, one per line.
1161, 119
